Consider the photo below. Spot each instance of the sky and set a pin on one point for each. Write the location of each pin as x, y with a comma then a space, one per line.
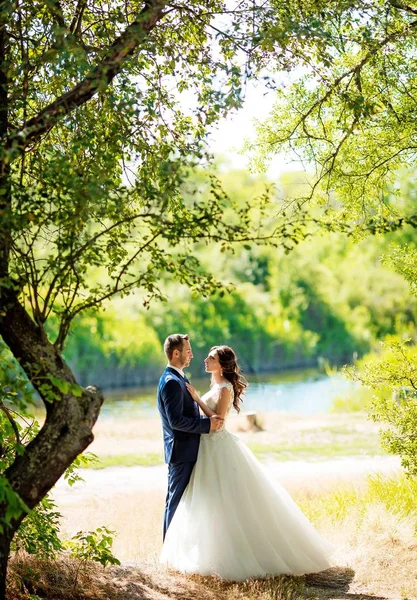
231, 133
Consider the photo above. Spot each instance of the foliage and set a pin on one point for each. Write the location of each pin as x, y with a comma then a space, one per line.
393, 373
341, 115
98, 207
243, 318
38, 533
85, 460
329, 297
96, 146
403, 259
15, 506
114, 340
349, 116
97, 142
358, 400
93, 546
91, 97
15, 432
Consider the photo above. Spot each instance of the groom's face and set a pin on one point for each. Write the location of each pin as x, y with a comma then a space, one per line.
186, 354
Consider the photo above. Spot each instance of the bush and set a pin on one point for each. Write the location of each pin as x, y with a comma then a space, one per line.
393, 374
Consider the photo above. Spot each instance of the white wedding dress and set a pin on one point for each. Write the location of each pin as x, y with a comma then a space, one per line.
235, 522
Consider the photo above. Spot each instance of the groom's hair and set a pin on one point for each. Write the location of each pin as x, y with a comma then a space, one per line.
174, 342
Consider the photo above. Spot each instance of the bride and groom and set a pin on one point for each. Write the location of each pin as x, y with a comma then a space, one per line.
224, 516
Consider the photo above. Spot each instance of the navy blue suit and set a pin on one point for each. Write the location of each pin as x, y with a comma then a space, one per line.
182, 426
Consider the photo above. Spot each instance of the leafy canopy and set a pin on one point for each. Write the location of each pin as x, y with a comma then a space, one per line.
108, 113
349, 114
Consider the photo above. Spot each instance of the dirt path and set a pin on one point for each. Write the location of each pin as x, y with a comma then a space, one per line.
333, 584
133, 583
293, 474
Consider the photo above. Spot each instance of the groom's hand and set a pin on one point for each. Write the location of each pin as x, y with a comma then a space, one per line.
216, 422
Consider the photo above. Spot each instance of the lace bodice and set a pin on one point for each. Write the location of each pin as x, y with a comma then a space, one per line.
212, 397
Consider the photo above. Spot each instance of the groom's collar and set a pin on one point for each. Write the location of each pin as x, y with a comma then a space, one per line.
176, 369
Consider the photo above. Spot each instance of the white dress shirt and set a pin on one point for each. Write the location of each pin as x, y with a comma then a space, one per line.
179, 370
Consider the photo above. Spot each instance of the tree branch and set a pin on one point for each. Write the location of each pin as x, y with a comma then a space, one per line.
11, 421
352, 72
405, 7
56, 11
76, 22
97, 80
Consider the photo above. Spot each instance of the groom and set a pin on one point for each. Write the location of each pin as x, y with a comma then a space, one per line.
181, 421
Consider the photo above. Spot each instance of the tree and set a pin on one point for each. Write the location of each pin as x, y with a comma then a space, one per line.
350, 116
95, 149
104, 109
392, 373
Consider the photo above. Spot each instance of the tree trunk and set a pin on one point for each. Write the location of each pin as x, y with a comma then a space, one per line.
67, 430
4, 559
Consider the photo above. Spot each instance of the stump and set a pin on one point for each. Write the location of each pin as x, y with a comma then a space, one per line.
247, 421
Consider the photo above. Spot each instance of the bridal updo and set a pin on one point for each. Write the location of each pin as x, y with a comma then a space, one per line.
232, 372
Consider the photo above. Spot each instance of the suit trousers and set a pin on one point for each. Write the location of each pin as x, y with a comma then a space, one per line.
178, 477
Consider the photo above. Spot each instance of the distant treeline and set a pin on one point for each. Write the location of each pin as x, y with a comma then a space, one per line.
328, 298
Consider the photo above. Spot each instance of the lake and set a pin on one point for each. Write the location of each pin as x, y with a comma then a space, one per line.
306, 392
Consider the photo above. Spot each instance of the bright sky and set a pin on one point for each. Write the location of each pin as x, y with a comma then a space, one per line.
231, 133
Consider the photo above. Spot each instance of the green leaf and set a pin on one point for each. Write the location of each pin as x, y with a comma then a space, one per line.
62, 385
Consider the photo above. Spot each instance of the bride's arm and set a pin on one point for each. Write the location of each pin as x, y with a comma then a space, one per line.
222, 403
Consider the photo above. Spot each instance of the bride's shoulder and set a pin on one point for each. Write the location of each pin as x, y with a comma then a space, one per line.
225, 384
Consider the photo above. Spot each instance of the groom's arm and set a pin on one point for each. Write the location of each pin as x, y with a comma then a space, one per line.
173, 399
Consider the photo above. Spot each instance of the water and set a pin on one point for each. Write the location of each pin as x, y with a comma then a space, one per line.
306, 392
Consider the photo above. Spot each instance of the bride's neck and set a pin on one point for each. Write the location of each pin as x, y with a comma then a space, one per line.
218, 377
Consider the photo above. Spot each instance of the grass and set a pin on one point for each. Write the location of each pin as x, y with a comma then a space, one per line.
313, 450
358, 400
352, 446
284, 437
372, 526
371, 522
33, 579
139, 441
397, 495
148, 459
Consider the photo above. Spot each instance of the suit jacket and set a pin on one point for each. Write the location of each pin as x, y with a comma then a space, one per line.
181, 421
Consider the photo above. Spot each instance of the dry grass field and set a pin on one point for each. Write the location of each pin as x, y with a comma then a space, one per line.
376, 554
372, 523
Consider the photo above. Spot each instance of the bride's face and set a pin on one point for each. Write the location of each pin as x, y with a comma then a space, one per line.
212, 362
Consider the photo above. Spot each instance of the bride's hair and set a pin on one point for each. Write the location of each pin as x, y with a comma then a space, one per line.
232, 372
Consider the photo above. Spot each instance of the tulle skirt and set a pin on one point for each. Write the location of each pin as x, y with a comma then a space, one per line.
233, 521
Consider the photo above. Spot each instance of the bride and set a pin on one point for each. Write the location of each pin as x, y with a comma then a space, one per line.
233, 521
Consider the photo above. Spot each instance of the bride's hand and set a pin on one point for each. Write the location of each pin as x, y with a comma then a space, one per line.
193, 392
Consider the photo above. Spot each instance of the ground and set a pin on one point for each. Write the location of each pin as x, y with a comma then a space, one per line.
324, 462
375, 547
